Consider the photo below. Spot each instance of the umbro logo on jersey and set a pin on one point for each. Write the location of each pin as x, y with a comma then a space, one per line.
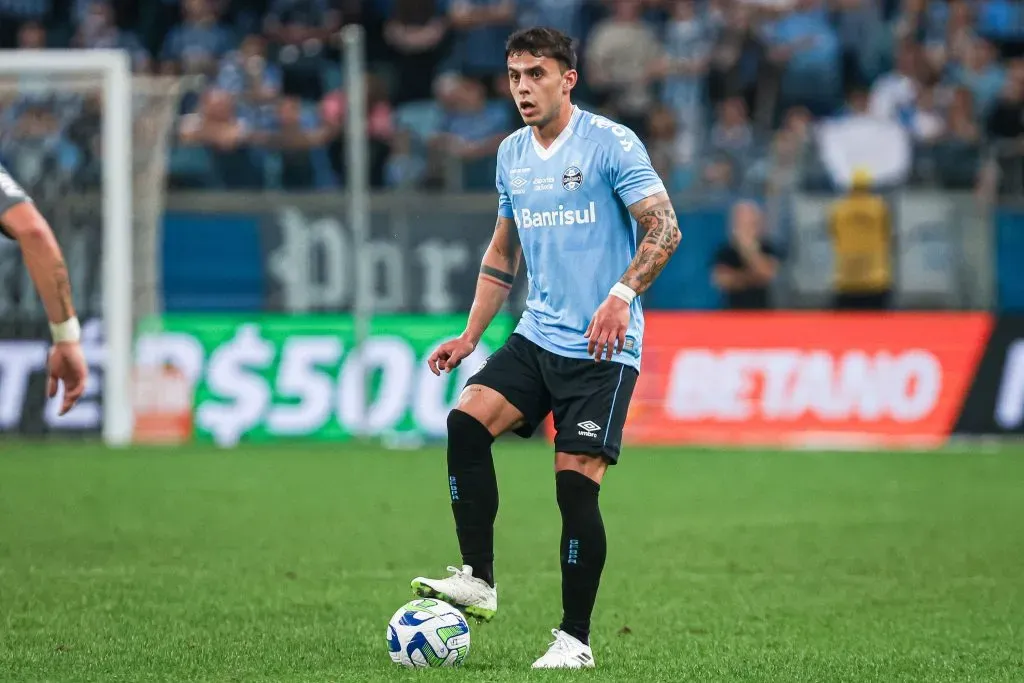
518, 182
588, 428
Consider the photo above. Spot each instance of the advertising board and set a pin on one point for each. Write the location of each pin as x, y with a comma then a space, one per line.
265, 378
789, 379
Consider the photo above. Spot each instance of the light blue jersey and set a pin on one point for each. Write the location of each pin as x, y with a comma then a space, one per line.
569, 202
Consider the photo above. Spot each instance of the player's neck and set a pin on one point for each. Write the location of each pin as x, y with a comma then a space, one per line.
547, 134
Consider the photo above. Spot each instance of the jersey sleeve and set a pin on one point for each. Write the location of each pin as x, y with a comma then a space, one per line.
504, 201
10, 194
630, 170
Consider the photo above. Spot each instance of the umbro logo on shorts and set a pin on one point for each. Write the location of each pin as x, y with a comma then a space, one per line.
588, 428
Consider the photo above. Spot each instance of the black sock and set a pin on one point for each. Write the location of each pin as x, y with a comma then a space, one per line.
583, 550
474, 491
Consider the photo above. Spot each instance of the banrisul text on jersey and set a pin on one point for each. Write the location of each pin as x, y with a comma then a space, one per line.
562, 216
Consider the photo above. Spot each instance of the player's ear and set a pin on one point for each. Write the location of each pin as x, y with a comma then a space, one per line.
569, 80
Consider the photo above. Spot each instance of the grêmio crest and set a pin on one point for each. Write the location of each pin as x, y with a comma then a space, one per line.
572, 178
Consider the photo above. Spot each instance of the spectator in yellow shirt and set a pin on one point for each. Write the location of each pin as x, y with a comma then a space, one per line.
861, 231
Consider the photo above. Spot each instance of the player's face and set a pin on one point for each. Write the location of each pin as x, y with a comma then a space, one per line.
539, 87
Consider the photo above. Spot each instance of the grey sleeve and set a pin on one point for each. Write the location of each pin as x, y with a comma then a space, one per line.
11, 193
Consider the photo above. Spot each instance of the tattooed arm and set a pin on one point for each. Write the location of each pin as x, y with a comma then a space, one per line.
497, 274
660, 229
660, 236
43, 259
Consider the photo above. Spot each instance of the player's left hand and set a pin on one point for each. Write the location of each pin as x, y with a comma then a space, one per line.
607, 329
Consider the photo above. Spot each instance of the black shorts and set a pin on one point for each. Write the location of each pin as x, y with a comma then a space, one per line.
589, 399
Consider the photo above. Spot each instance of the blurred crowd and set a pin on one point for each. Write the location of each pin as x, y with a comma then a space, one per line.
724, 92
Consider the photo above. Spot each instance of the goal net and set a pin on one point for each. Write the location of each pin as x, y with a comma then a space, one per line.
89, 143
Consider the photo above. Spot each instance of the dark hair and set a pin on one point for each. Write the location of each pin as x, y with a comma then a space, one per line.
542, 42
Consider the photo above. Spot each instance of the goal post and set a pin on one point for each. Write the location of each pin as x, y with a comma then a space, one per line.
112, 68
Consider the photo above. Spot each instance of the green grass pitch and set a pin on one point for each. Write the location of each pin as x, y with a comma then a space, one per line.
285, 563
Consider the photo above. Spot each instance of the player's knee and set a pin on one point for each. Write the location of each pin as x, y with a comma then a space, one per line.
489, 408
575, 492
466, 432
592, 466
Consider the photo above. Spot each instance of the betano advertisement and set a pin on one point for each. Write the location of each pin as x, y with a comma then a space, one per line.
774, 379
805, 378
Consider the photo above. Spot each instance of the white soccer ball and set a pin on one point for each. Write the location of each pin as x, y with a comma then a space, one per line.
428, 632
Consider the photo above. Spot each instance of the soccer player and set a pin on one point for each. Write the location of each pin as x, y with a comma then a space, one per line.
572, 189
20, 220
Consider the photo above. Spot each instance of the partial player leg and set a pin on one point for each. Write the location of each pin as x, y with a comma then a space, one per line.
583, 547
578, 481
589, 419
499, 398
481, 415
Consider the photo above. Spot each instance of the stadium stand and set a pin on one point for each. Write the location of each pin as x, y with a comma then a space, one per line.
722, 91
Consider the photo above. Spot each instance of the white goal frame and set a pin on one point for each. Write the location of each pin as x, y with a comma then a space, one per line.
113, 66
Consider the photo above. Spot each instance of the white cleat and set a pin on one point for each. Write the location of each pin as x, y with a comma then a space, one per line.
462, 590
566, 653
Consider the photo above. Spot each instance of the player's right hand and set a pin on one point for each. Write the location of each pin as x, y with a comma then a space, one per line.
448, 355
67, 364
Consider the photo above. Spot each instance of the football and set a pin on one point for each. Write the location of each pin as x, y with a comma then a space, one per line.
428, 633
